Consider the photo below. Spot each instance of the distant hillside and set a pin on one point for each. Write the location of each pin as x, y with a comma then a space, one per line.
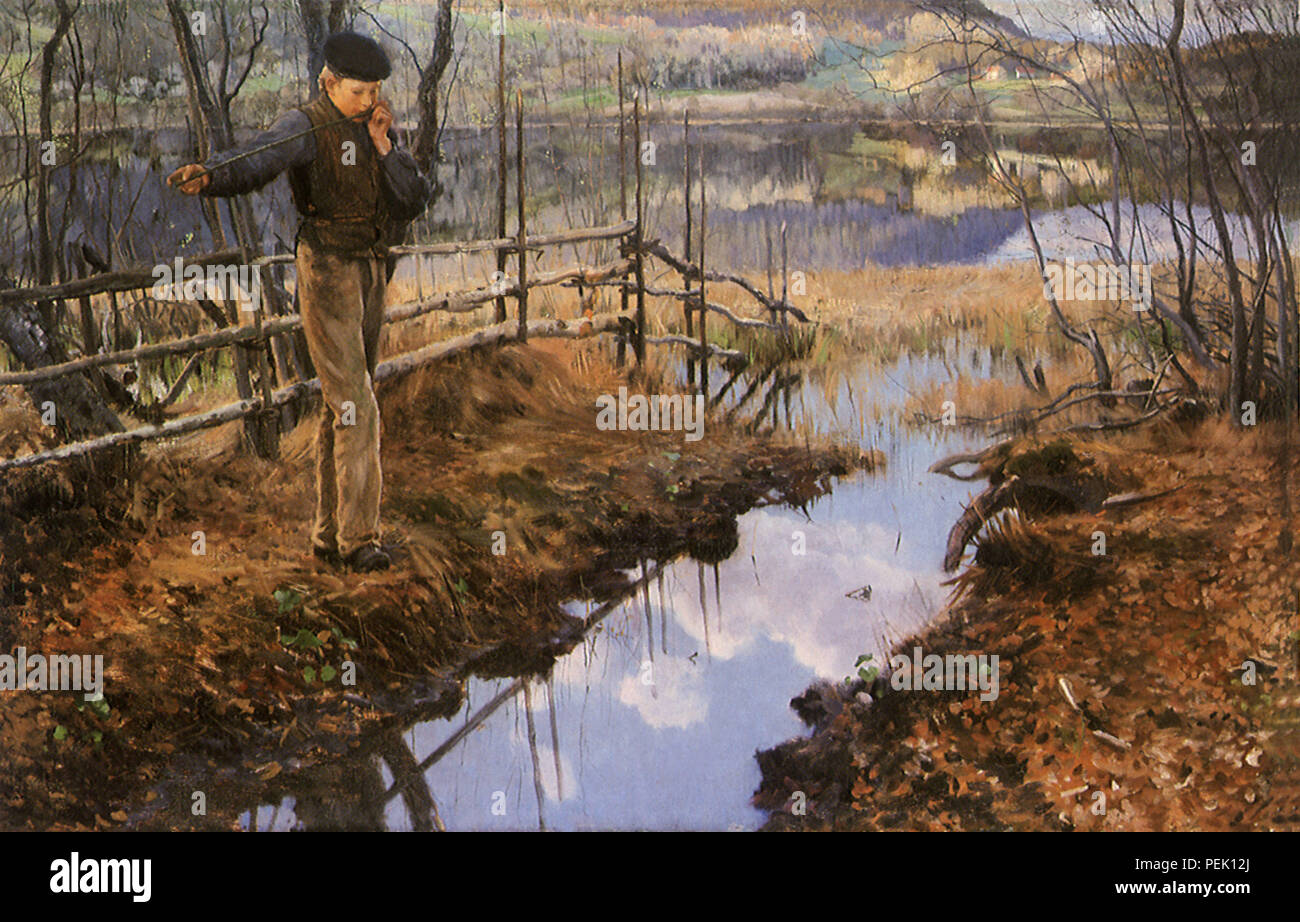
887, 16
1267, 64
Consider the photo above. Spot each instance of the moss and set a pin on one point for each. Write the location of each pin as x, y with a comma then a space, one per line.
1052, 459
528, 488
1183, 545
433, 508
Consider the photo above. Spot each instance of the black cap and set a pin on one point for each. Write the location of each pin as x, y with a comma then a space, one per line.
356, 56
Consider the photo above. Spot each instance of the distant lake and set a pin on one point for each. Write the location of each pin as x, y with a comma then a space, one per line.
841, 208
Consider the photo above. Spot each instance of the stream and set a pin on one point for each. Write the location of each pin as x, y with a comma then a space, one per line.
652, 721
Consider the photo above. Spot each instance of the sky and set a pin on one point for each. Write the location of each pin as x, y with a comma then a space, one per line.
1057, 18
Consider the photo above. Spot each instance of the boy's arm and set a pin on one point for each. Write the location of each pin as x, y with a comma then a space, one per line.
253, 172
407, 189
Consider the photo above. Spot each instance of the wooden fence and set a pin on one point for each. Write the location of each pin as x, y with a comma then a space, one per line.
260, 401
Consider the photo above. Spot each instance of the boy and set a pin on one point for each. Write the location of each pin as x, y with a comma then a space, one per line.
354, 190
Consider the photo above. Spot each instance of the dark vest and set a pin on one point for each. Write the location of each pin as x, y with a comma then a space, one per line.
340, 193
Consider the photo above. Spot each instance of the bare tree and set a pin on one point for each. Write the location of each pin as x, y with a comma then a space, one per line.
318, 22
1190, 123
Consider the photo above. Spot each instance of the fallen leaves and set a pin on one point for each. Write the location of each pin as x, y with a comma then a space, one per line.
1131, 689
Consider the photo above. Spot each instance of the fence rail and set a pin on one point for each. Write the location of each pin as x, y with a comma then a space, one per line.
258, 409
622, 324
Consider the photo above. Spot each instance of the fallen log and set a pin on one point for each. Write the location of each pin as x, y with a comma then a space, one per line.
945, 465
974, 517
79, 410
1032, 494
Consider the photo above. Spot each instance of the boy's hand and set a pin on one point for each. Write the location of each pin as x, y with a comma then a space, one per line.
190, 179
381, 119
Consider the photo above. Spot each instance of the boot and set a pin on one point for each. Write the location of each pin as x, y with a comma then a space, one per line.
368, 558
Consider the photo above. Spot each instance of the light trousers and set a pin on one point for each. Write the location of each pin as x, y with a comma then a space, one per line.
341, 300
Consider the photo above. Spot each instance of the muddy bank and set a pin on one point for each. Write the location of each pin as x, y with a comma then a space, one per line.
225, 668
1150, 687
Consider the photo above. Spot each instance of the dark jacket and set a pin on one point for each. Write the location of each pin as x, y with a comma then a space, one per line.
353, 202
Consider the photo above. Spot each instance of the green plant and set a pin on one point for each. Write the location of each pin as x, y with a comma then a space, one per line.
99, 707
867, 674
303, 640
287, 599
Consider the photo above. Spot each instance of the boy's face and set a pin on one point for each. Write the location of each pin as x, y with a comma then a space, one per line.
353, 97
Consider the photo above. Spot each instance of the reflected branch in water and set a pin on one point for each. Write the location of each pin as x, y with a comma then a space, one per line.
416, 795
511, 690
717, 596
649, 616
555, 735
718, 397
780, 385
468, 727
340, 797
532, 752
704, 612
753, 389
663, 616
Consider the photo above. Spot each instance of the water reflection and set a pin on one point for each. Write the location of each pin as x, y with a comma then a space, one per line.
652, 719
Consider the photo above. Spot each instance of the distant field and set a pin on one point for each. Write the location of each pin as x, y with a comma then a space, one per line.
728, 58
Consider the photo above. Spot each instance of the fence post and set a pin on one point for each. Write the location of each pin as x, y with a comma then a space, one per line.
268, 445
522, 242
704, 313
501, 154
89, 332
638, 233
117, 321
771, 290
785, 278
621, 353
243, 380
686, 278
282, 346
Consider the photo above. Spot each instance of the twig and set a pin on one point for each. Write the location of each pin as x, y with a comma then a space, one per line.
1100, 734
175, 390
1113, 740
1156, 386
1105, 427
1069, 696
1130, 499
